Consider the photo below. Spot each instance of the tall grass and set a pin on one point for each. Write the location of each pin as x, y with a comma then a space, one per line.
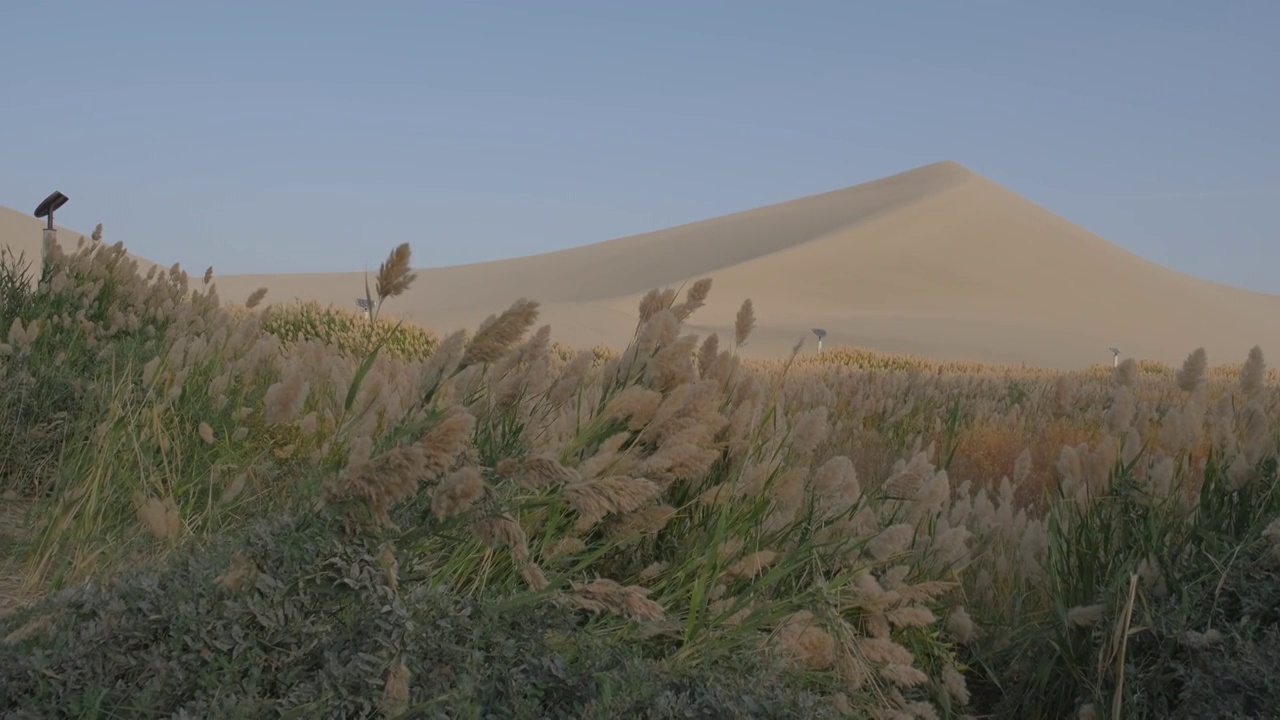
920, 539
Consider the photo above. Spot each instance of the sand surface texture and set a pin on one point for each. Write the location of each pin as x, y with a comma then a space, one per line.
936, 261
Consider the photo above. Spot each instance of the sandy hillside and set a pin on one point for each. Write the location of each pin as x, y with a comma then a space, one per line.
22, 234
936, 260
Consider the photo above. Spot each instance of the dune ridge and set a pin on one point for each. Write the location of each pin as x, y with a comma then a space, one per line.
936, 261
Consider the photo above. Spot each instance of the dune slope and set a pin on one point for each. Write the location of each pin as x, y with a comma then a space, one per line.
976, 271
936, 260
21, 234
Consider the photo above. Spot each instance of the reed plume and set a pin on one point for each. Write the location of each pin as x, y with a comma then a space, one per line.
1192, 371
594, 499
694, 299
497, 336
650, 305
255, 298
630, 601
381, 482
744, 323
1253, 376
394, 275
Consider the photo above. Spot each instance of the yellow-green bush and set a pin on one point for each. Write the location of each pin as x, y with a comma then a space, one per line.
351, 333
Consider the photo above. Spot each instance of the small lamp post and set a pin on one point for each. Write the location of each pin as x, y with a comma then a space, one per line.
821, 334
46, 209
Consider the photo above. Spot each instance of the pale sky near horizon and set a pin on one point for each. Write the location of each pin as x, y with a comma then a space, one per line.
274, 137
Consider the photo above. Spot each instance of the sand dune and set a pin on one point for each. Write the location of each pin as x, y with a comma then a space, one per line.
937, 261
21, 233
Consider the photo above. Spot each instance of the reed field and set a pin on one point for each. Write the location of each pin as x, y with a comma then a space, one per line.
292, 510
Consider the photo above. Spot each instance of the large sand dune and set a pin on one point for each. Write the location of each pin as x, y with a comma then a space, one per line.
936, 261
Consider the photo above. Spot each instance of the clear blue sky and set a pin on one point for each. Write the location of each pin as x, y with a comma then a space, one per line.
314, 136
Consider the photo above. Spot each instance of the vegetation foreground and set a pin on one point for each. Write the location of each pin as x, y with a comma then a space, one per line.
296, 511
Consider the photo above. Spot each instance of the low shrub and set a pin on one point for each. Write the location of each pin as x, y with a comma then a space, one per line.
1160, 600
1213, 649
295, 619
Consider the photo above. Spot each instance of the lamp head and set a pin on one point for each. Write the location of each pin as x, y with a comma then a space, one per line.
47, 206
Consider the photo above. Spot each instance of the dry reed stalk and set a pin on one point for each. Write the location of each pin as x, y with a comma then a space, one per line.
1122, 637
